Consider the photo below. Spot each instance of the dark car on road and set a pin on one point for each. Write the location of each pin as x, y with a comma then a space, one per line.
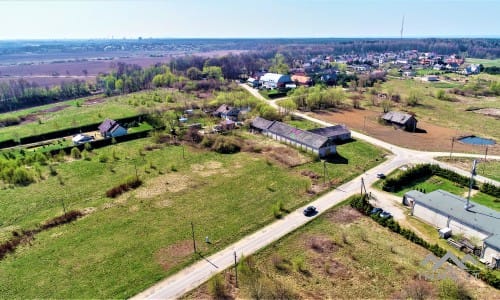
385, 215
381, 175
310, 211
376, 211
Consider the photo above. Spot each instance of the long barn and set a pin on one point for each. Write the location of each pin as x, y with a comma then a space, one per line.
305, 140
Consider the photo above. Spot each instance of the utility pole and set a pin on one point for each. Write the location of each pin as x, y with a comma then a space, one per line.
192, 234
452, 142
236, 268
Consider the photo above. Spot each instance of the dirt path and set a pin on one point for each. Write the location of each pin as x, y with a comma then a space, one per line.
436, 138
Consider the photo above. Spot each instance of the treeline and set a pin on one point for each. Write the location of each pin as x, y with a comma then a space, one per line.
17, 94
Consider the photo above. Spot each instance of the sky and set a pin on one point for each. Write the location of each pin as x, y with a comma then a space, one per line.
75, 19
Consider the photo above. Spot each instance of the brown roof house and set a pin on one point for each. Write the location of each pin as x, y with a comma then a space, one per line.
302, 80
111, 128
401, 120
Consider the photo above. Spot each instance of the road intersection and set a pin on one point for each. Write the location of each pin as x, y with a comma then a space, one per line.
194, 275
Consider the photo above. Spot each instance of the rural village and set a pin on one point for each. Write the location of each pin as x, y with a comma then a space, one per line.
201, 170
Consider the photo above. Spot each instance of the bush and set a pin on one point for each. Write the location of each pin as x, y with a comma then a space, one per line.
131, 183
75, 153
226, 145
217, 286
66, 218
490, 189
22, 176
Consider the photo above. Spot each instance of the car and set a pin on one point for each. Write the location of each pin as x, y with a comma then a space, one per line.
376, 211
385, 215
381, 175
310, 211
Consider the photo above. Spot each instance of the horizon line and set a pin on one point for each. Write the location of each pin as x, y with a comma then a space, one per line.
257, 38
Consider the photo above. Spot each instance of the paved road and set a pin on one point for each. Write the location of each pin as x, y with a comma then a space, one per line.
194, 275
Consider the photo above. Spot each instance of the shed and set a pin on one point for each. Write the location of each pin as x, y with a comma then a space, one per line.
401, 119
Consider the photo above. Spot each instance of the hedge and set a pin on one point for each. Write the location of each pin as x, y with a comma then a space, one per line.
361, 204
66, 132
395, 184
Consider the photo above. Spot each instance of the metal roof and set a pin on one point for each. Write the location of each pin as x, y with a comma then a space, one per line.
107, 125
331, 131
478, 216
307, 138
397, 117
274, 77
262, 123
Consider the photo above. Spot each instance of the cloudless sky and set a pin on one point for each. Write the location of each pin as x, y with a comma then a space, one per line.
73, 19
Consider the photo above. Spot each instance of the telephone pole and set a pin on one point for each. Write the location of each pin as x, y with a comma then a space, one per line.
192, 234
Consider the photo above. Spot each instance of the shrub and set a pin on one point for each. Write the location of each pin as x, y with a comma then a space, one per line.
66, 218
226, 145
217, 286
207, 142
75, 153
22, 176
131, 183
490, 189
193, 136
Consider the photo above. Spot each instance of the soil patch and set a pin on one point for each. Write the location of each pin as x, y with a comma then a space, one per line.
166, 183
321, 244
94, 101
172, 255
34, 116
208, 169
433, 137
344, 215
492, 112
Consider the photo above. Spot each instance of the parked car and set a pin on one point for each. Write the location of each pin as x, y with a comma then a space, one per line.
376, 211
381, 175
310, 211
385, 215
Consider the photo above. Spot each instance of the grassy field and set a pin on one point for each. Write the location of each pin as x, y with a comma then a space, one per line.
438, 183
79, 112
484, 62
451, 114
490, 168
341, 255
126, 244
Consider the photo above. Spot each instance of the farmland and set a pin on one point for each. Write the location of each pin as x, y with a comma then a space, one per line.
341, 254
440, 119
182, 184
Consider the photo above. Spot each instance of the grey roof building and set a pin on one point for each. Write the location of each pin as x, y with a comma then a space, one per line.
303, 139
334, 133
443, 209
401, 119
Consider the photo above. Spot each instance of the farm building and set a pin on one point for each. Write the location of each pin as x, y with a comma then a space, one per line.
337, 133
227, 112
274, 80
302, 80
253, 82
302, 139
111, 128
446, 210
401, 119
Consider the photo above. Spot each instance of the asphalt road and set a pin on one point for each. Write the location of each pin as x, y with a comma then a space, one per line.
194, 275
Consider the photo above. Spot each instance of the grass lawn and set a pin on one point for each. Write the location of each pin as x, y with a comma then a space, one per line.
484, 62
438, 183
85, 113
341, 254
303, 124
490, 168
124, 245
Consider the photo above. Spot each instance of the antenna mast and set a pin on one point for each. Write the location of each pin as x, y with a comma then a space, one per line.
402, 26
472, 173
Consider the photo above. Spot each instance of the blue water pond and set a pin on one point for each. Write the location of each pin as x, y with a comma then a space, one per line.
476, 140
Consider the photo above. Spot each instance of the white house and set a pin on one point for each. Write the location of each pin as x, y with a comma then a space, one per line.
274, 80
